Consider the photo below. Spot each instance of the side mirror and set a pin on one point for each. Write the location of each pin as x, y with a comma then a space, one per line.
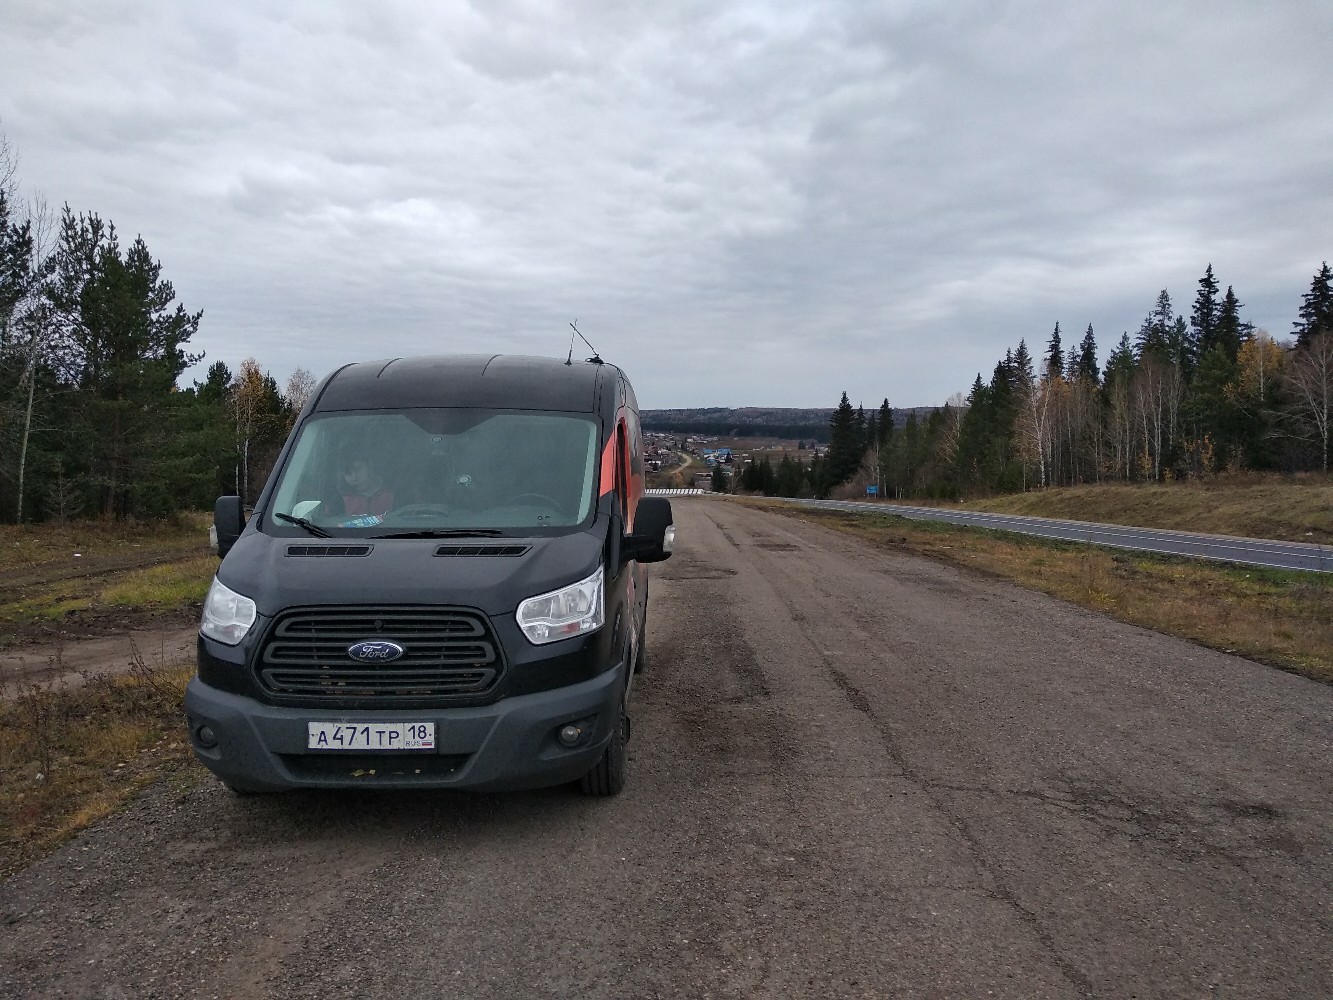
228, 522
654, 533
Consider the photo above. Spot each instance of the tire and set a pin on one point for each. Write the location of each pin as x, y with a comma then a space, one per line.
608, 775
643, 635
643, 643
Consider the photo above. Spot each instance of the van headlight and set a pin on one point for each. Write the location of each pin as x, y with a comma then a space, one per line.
227, 615
571, 610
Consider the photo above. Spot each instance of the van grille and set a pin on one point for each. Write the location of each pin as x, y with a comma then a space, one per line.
448, 654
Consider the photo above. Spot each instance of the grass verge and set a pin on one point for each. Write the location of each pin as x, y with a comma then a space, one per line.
71, 755
1292, 509
24, 546
1284, 619
179, 583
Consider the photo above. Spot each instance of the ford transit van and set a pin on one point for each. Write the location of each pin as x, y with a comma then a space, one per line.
443, 584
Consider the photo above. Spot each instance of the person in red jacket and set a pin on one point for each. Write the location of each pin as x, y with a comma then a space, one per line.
363, 490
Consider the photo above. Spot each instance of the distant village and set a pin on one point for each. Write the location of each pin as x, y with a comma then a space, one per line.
665, 452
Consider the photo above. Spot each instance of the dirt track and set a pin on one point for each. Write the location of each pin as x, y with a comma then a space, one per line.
854, 773
70, 663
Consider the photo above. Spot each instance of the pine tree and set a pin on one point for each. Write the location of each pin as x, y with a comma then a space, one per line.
1316, 313
123, 349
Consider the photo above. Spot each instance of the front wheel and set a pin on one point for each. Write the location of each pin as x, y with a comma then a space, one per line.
608, 775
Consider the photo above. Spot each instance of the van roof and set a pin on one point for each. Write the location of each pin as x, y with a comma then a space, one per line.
482, 380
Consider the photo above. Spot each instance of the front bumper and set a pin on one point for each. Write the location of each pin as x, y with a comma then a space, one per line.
504, 746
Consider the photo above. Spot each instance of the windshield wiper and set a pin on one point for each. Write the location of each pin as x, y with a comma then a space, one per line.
301, 522
447, 533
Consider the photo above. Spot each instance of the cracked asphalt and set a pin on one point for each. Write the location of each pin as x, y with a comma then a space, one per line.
854, 773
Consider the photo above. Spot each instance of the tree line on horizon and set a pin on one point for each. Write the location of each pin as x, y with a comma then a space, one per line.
1184, 398
93, 422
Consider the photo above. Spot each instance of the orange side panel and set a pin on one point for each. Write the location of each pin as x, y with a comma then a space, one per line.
608, 482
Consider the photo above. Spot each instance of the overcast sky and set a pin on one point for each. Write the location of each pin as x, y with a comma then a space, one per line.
740, 203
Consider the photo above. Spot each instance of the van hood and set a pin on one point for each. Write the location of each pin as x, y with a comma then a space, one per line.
279, 573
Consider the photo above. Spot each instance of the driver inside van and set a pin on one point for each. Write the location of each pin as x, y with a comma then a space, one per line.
363, 491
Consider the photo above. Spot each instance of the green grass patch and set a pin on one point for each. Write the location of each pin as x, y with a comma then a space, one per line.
169, 585
43, 608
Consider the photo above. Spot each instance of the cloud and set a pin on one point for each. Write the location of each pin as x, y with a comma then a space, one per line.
751, 203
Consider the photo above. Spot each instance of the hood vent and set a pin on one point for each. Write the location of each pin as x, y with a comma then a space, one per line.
329, 550
482, 550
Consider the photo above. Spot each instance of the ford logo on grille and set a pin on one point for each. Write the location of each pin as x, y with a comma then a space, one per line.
376, 651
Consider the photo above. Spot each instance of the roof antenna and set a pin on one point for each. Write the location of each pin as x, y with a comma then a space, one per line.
595, 359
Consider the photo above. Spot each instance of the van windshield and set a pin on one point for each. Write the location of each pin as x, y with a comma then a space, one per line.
438, 469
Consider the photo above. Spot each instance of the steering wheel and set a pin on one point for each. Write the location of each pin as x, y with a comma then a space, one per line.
542, 497
420, 510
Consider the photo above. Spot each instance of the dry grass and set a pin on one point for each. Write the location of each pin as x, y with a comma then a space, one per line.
139, 567
1294, 509
1280, 618
70, 756
56, 542
176, 584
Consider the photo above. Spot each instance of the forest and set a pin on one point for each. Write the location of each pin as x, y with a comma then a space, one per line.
1183, 398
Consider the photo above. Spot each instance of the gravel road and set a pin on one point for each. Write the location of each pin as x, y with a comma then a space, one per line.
854, 773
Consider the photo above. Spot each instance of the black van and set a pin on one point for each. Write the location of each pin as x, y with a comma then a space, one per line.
441, 585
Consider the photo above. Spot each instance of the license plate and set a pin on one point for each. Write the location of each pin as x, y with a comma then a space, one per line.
370, 735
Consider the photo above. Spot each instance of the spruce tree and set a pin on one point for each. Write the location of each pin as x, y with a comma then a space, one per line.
1178, 346
1154, 337
1055, 358
1211, 405
719, 482
1316, 313
1204, 316
1232, 331
1020, 365
1087, 358
844, 450
885, 423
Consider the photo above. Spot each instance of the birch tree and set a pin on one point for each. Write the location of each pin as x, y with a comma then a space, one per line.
1309, 379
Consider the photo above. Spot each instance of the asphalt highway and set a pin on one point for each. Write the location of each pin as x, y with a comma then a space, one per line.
854, 773
1224, 548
